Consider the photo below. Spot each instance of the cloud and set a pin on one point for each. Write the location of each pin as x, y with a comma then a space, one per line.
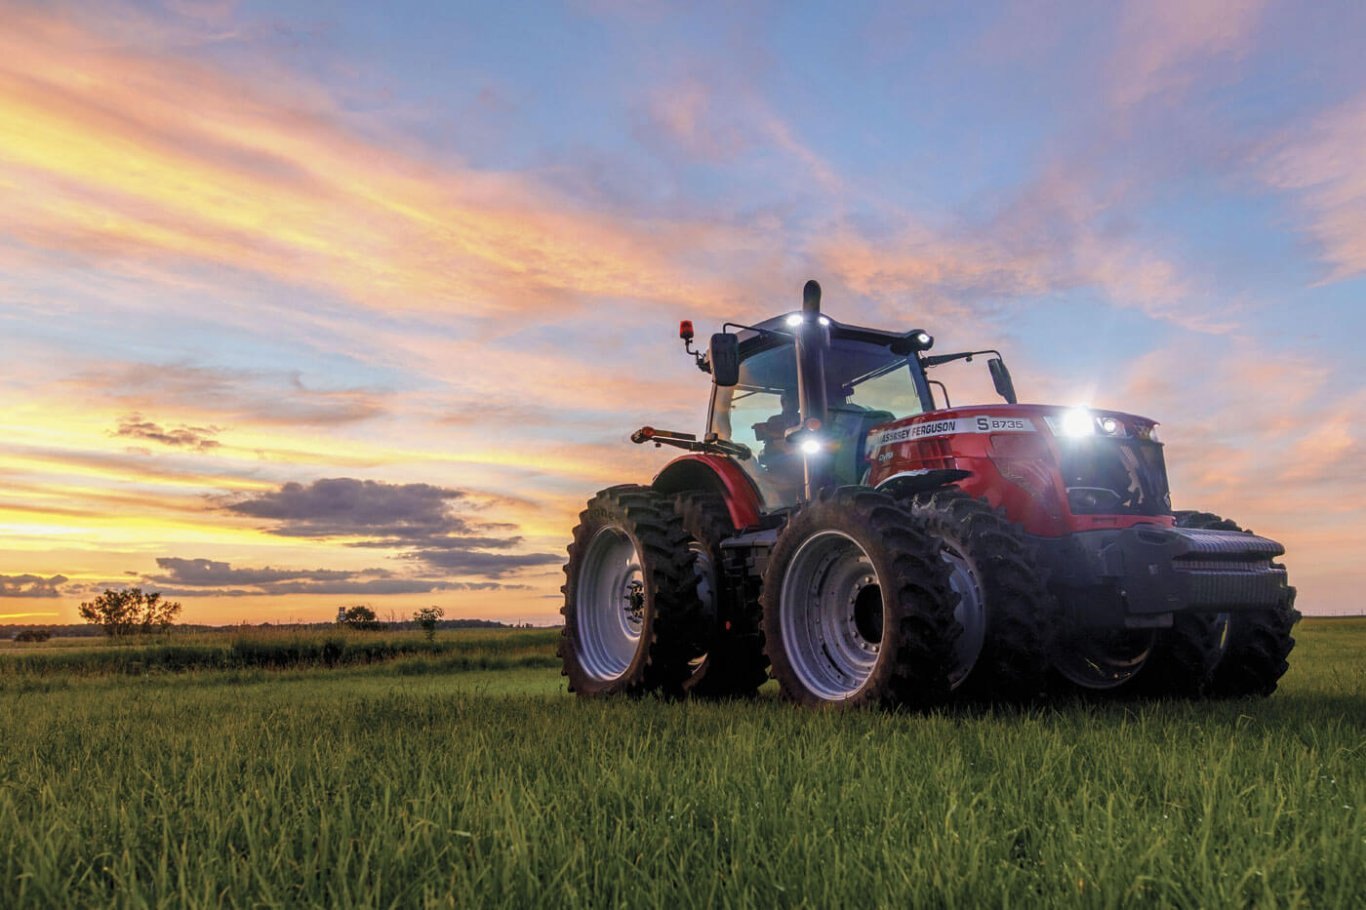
414, 517
1321, 164
31, 585
686, 116
212, 573
280, 397
382, 586
347, 507
1056, 233
137, 155
213, 578
198, 439
461, 561
1161, 44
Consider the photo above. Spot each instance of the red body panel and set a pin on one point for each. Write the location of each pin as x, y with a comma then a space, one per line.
719, 472
1011, 454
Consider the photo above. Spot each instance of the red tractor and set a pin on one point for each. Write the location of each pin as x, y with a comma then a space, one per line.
839, 528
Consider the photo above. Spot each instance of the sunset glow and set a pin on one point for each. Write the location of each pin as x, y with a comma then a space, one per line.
297, 311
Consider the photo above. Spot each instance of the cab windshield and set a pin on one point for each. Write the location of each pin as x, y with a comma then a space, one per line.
866, 386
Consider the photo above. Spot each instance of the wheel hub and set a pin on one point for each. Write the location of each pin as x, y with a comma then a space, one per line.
832, 615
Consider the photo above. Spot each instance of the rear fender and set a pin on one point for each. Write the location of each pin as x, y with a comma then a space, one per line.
715, 474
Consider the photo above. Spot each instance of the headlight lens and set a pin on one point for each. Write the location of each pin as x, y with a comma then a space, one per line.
1076, 422
811, 445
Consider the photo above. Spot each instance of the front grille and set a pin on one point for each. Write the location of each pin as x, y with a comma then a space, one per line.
1105, 476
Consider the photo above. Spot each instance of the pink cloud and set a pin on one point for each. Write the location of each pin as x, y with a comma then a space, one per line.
1322, 165
1051, 237
1162, 44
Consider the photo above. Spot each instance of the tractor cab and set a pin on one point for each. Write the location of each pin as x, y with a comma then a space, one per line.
867, 381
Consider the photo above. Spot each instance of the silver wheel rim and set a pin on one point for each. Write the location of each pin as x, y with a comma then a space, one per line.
1104, 661
831, 615
971, 614
610, 601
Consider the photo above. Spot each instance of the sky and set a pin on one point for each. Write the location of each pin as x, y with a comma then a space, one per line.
307, 304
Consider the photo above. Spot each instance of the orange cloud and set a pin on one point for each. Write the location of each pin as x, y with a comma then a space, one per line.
114, 153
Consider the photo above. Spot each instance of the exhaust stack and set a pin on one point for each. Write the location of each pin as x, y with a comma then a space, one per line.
812, 339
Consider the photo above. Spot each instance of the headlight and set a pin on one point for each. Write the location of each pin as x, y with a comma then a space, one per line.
1076, 422
811, 445
793, 321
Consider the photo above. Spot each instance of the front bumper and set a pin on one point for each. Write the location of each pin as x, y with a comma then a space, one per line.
1144, 575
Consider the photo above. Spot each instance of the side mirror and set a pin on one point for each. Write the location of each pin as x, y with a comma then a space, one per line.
1000, 377
724, 356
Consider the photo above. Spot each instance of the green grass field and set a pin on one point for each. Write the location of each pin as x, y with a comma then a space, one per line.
418, 779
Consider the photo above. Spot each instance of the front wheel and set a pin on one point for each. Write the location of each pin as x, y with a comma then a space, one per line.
1254, 644
857, 606
632, 621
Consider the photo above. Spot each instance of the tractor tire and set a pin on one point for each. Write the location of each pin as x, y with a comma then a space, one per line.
834, 639
632, 621
1003, 605
1183, 657
734, 665
1256, 643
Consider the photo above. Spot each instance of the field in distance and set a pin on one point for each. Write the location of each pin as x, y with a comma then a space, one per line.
375, 769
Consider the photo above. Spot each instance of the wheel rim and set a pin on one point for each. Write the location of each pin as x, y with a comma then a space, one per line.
971, 615
832, 615
610, 599
1106, 660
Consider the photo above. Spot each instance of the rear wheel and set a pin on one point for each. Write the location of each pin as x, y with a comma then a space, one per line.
632, 620
1002, 604
857, 606
1254, 643
734, 664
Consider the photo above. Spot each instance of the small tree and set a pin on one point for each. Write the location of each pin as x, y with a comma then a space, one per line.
427, 618
131, 610
359, 617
